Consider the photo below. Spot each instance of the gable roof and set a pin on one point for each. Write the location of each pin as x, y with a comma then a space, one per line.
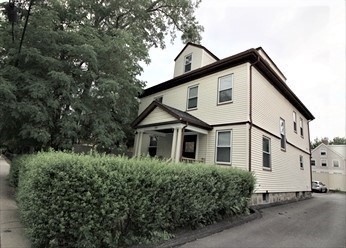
181, 116
334, 148
250, 56
199, 46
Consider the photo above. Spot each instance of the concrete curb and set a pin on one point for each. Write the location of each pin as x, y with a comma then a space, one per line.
191, 235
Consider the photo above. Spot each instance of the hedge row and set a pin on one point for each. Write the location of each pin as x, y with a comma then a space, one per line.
69, 200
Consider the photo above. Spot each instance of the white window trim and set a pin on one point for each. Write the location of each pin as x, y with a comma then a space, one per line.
301, 162
184, 65
336, 160
270, 154
324, 150
301, 127
311, 162
295, 121
325, 163
216, 146
218, 89
282, 120
188, 97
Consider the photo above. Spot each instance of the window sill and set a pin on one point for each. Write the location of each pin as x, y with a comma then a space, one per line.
267, 169
223, 103
223, 163
301, 168
284, 150
191, 109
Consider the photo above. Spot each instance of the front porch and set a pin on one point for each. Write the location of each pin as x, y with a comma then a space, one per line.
174, 142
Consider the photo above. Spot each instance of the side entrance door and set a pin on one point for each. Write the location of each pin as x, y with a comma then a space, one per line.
189, 146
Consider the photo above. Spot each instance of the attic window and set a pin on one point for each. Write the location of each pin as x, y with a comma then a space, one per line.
187, 64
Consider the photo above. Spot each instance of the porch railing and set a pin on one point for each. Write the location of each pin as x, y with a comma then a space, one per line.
192, 160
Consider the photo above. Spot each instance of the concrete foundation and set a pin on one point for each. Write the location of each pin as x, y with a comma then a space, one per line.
272, 198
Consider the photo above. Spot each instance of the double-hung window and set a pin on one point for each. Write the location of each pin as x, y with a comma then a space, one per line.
336, 163
223, 147
324, 162
294, 121
283, 134
225, 89
301, 127
266, 161
187, 63
313, 162
192, 97
323, 152
301, 162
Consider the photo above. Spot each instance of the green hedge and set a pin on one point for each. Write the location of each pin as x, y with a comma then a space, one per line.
69, 200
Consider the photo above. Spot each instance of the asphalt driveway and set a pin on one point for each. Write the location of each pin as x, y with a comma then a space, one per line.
317, 222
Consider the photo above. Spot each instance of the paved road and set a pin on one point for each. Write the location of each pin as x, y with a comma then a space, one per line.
317, 222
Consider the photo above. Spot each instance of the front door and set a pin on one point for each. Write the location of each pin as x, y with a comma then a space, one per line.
189, 146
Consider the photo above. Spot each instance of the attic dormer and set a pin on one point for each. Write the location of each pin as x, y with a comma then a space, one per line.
192, 57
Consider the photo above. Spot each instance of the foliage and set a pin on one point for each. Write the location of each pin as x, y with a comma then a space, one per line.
70, 200
334, 141
75, 80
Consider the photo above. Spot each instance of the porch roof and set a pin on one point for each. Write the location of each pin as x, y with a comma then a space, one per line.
181, 116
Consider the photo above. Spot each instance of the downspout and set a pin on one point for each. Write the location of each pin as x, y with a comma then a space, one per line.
250, 111
310, 154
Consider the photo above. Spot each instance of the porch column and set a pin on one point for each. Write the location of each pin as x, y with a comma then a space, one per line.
174, 144
178, 145
139, 146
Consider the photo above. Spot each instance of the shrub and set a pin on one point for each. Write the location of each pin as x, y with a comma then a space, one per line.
69, 200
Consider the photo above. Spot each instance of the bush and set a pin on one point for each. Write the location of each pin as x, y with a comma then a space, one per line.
69, 200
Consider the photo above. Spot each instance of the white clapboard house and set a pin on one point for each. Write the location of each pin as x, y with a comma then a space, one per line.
328, 164
236, 112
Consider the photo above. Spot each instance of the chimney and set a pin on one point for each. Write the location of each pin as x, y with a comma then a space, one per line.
325, 141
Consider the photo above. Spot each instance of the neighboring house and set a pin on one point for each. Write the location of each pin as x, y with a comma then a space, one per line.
237, 112
328, 163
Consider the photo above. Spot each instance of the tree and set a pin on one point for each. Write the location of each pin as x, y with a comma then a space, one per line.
334, 141
75, 79
338, 141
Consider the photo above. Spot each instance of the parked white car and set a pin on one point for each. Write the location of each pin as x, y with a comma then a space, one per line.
318, 186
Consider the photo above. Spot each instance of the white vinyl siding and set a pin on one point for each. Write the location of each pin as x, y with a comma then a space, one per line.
225, 89
157, 116
199, 58
269, 105
208, 111
333, 177
240, 151
285, 174
192, 97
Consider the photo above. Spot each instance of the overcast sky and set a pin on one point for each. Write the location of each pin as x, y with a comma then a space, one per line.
305, 39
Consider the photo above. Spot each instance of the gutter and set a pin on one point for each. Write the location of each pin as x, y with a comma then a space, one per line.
250, 110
